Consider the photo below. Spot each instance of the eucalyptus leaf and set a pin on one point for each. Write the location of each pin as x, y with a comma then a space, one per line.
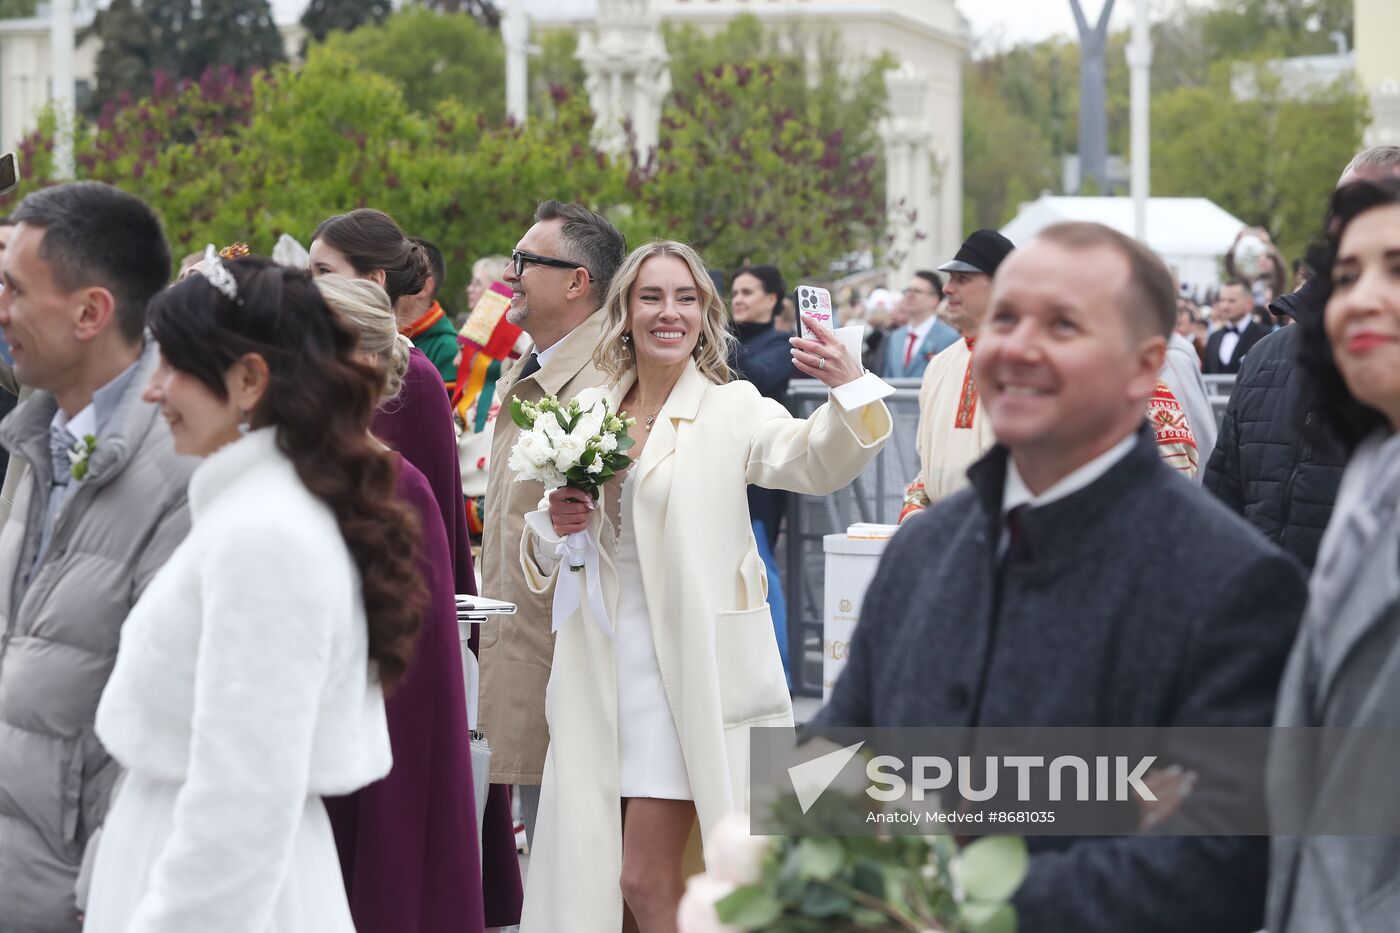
993, 867
981, 917
749, 908
823, 901
821, 857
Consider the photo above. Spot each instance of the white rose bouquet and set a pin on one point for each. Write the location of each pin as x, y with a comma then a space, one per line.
569, 445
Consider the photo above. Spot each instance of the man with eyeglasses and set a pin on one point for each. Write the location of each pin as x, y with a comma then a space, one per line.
910, 347
558, 274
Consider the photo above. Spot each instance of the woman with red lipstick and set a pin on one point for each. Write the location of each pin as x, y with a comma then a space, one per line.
649, 710
1343, 670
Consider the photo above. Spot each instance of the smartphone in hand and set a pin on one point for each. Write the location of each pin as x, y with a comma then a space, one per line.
815, 301
9, 173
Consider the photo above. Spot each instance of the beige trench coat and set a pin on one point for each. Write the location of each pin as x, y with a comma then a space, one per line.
705, 587
516, 650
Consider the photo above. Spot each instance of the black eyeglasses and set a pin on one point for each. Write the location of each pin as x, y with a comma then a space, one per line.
521, 259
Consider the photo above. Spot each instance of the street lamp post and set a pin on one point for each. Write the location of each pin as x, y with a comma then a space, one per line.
515, 31
61, 90
1140, 67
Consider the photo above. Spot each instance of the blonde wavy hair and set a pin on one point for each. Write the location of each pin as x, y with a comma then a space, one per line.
711, 354
365, 307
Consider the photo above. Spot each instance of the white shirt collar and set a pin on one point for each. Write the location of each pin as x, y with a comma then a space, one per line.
1016, 492
921, 331
544, 355
93, 417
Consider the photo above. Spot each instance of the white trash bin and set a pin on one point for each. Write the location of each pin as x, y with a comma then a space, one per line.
850, 565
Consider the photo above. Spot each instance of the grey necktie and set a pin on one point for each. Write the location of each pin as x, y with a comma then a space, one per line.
532, 366
61, 441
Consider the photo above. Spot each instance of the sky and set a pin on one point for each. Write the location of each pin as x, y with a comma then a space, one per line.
998, 22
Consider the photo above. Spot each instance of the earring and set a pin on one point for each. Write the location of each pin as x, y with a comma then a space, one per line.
702, 340
245, 421
627, 340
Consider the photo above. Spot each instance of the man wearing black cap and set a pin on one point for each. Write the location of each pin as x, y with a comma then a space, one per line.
953, 433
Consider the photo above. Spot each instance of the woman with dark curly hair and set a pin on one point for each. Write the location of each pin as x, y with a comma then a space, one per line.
250, 677
1342, 672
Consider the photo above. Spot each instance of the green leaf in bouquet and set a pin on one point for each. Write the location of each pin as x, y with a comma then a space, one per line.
993, 867
625, 442
517, 414
821, 857
824, 901
867, 876
982, 917
563, 420
789, 882
870, 919
749, 908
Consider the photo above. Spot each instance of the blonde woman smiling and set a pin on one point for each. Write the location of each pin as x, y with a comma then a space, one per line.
649, 727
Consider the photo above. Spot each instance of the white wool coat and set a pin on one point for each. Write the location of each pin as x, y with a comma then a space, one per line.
706, 588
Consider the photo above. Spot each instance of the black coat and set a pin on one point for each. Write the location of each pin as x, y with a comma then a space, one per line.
1254, 333
1144, 603
1264, 468
763, 356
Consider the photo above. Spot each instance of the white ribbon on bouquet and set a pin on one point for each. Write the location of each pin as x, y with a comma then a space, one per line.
578, 557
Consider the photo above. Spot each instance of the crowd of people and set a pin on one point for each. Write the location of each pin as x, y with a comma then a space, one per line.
240, 508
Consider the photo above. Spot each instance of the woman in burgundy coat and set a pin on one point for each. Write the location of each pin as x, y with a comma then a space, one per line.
408, 843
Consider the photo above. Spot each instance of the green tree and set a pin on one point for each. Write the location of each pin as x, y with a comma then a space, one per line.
434, 57
744, 178
145, 40
1271, 160
483, 11
322, 17
16, 9
554, 68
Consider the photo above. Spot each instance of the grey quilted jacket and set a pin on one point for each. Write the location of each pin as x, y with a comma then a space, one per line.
59, 626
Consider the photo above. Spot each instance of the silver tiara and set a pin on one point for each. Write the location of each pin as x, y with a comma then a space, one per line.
217, 274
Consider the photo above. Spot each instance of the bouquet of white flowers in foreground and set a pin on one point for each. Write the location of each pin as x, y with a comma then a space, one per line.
833, 884
569, 445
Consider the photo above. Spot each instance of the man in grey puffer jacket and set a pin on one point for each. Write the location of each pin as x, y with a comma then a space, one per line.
99, 509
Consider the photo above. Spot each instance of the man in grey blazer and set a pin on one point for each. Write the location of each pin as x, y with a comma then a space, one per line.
1079, 582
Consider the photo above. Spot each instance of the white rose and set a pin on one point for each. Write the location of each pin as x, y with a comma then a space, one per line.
567, 451
697, 911
549, 424
530, 455
734, 855
590, 425
537, 449
607, 443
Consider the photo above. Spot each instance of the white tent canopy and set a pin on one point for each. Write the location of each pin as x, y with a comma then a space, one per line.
1190, 234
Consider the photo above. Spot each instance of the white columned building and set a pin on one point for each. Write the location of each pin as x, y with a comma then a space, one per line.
928, 34
911, 175
628, 75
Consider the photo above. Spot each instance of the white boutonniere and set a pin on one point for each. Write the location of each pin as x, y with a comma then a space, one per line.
79, 454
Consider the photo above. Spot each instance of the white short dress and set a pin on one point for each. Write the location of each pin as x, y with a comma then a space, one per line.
651, 763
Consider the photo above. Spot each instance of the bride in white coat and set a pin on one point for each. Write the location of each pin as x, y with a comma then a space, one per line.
649, 726
249, 678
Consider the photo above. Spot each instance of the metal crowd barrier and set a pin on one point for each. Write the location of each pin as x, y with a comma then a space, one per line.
876, 496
